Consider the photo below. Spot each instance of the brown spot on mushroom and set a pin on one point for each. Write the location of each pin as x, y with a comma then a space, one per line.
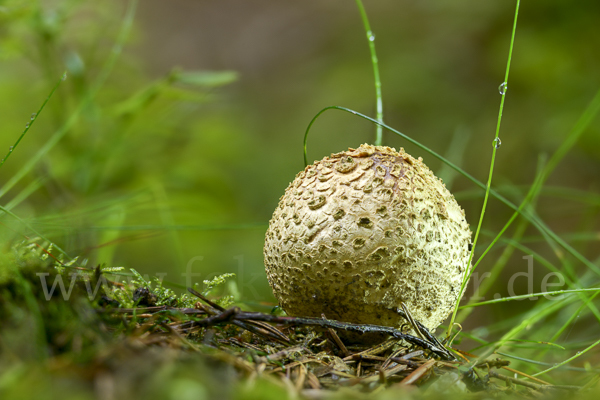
317, 202
339, 214
429, 236
365, 222
358, 243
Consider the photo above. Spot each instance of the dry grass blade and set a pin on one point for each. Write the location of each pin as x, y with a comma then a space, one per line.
258, 327
417, 373
533, 378
337, 339
382, 374
380, 348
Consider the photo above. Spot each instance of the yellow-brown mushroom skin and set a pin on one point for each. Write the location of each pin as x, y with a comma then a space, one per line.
361, 231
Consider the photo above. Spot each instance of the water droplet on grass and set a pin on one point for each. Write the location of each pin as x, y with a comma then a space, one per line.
371, 36
33, 116
497, 143
64, 76
10, 149
27, 125
503, 87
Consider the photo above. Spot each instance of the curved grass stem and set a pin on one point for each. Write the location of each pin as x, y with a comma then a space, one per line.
532, 218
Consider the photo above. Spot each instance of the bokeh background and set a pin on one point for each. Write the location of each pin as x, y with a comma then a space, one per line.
179, 158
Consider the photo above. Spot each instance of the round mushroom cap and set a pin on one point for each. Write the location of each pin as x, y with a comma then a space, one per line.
360, 232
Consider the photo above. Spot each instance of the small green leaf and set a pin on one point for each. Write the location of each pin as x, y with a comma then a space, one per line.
206, 78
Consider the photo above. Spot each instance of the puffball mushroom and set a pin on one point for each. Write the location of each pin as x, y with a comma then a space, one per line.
360, 232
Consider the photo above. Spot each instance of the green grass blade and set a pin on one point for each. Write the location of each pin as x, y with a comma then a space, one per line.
570, 281
536, 362
503, 259
534, 315
541, 343
568, 360
496, 145
573, 317
534, 190
34, 117
529, 295
103, 76
24, 194
375, 63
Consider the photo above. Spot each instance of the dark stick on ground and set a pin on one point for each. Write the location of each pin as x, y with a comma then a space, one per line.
257, 327
328, 323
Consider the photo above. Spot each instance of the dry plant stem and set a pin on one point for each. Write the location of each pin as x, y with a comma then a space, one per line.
256, 316
514, 371
337, 339
380, 348
382, 375
186, 311
388, 360
417, 373
234, 315
256, 327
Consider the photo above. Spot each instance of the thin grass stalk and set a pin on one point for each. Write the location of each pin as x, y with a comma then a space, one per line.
34, 117
90, 95
495, 147
375, 63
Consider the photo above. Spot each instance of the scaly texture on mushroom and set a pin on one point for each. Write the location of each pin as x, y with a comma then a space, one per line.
361, 231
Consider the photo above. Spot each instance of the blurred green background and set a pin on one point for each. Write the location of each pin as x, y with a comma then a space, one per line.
176, 162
